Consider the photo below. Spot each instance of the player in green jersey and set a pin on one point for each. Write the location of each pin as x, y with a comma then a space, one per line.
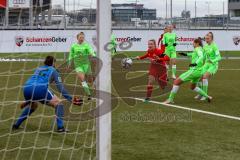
113, 45
193, 75
210, 67
79, 54
170, 42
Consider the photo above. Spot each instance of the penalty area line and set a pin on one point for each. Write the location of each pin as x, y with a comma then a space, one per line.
191, 109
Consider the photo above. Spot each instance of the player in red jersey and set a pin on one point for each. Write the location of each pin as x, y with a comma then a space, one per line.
163, 47
157, 69
160, 40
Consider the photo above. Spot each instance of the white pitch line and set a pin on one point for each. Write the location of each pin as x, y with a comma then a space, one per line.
146, 71
181, 70
191, 109
222, 69
174, 106
28, 74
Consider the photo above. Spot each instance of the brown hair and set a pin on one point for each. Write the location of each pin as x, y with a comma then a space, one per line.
198, 41
79, 34
154, 41
49, 60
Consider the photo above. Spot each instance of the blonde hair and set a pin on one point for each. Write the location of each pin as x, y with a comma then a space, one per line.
211, 34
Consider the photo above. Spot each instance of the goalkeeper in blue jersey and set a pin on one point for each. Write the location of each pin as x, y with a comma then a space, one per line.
36, 89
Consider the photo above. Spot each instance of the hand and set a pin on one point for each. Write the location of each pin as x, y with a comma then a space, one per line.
77, 101
174, 44
153, 60
193, 65
137, 58
155, 57
183, 54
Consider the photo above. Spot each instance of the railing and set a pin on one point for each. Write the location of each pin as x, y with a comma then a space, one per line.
24, 25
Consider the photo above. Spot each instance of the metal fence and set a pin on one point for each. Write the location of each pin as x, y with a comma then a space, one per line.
74, 14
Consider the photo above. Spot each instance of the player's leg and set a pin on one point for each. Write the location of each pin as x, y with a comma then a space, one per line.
93, 71
151, 80
90, 76
167, 63
208, 70
162, 78
167, 67
173, 63
113, 51
175, 88
196, 76
28, 109
195, 88
205, 79
28, 106
55, 102
200, 85
81, 71
212, 69
90, 79
52, 100
185, 77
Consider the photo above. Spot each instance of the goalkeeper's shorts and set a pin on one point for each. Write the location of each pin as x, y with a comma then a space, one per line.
37, 93
210, 68
192, 75
84, 68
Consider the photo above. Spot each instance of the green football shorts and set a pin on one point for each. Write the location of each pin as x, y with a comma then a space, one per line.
210, 68
171, 53
192, 75
84, 68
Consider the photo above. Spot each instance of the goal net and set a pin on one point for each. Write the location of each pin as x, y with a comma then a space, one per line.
22, 51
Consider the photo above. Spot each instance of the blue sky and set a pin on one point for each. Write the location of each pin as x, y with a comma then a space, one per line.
204, 7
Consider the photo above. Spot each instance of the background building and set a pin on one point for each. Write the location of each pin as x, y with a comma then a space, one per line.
19, 11
125, 12
234, 8
45, 15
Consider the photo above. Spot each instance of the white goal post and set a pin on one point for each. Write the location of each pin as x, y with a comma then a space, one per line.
104, 24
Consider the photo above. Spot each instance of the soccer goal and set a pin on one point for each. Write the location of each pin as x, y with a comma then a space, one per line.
42, 28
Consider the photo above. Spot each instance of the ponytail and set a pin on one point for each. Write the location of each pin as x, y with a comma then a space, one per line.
199, 41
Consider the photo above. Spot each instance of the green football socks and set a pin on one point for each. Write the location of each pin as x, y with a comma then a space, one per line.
86, 88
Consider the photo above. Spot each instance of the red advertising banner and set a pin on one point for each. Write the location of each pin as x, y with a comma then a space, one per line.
3, 3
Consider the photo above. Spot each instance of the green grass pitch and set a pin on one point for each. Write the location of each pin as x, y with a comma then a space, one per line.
143, 131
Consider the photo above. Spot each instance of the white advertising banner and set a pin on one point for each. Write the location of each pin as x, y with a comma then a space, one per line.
19, 3
61, 40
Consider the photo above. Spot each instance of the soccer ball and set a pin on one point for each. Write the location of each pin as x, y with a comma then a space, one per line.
126, 63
